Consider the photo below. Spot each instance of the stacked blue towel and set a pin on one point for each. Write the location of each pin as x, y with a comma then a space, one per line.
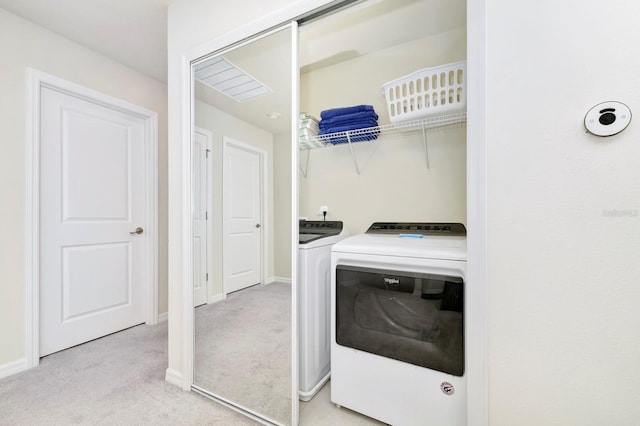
337, 121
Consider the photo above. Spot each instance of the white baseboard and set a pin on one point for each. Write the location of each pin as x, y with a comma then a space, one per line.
163, 317
13, 367
279, 279
216, 298
173, 377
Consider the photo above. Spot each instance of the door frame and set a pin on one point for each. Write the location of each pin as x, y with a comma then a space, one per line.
209, 207
36, 80
228, 142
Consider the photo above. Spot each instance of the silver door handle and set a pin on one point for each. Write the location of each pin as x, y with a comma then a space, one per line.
257, 225
138, 231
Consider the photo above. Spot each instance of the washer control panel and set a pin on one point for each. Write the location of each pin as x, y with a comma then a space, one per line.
420, 228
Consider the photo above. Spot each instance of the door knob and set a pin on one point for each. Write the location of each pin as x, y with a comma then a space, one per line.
257, 225
138, 231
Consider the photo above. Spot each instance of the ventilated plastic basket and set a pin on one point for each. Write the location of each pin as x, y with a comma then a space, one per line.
427, 92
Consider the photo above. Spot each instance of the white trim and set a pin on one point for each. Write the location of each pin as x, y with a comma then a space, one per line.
278, 279
306, 396
188, 124
238, 408
248, 32
151, 168
209, 207
32, 261
477, 291
295, 238
174, 377
163, 317
217, 298
13, 367
210, 268
264, 197
36, 80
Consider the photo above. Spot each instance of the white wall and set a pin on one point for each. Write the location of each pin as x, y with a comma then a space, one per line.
394, 183
221, 124
26, 45
282, 204
563, 270
359, 80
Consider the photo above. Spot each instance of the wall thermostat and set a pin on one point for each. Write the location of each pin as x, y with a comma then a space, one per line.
607, 118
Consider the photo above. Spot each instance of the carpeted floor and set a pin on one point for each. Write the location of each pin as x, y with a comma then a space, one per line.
119, 380
115, 380
243, 349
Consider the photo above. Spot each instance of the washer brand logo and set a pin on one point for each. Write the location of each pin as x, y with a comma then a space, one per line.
392, 281
447, 388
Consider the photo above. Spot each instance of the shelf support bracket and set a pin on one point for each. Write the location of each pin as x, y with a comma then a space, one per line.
353, 154
424, 143
306, 166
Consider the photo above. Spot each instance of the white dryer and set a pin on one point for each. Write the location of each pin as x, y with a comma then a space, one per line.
397, 312
314, 300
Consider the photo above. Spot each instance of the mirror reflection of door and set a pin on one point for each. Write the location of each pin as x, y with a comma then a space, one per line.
200, 151
242, 319
242, 204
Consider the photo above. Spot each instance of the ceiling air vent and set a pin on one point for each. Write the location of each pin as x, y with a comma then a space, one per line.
226, 78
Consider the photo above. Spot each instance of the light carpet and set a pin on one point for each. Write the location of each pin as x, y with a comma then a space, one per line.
243, 349
115, 380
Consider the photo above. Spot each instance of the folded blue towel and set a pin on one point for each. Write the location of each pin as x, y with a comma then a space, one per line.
348, 126
345, 110
349, 118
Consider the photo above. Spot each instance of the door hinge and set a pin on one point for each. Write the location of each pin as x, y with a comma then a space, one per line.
207, 276
206, 215
207, 153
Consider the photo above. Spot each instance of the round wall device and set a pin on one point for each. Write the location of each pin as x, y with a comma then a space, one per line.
607, 118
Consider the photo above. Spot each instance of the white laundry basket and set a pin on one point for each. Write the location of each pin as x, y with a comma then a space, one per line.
427, 92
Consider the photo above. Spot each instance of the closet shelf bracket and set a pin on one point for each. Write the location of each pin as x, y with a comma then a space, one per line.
353, 154
424, 143
305, 170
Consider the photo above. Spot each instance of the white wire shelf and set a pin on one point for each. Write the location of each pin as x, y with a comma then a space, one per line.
425, 125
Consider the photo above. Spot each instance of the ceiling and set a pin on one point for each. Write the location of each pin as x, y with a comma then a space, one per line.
134, 33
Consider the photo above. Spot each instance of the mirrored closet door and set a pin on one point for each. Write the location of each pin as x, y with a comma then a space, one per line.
242, 222
252, 178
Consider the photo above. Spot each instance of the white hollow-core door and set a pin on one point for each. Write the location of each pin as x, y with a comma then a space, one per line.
243, 215
200, 182
92, 210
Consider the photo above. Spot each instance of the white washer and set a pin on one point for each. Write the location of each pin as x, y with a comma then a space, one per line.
314, 300
397, 323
